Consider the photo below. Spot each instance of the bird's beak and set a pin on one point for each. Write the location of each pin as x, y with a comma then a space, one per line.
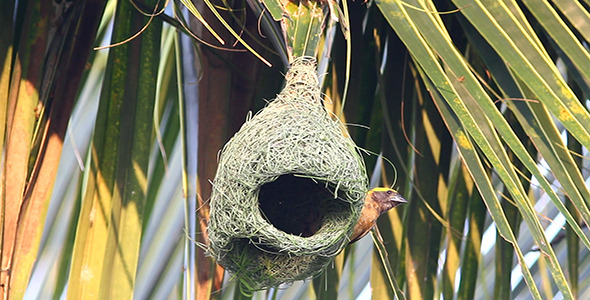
398, 199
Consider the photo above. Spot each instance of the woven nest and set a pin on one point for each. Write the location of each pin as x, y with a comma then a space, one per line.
288, 190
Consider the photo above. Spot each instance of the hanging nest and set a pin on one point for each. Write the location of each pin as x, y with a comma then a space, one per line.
289, 188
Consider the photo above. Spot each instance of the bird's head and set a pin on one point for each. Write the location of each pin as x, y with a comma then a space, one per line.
386, 198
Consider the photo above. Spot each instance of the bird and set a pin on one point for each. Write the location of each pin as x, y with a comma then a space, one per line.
377, 202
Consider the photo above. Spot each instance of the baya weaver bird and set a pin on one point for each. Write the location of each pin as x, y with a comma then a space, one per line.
377, 202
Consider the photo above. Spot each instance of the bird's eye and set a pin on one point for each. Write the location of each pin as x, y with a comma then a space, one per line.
388, 192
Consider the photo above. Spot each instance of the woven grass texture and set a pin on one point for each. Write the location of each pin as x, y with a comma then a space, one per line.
288, 189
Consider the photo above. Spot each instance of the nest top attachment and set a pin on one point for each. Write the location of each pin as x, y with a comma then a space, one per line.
288, 190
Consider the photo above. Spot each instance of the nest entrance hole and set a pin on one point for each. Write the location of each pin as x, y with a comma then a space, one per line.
299, 205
